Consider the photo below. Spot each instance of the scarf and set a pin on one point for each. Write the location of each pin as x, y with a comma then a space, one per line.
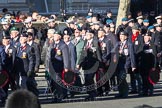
134, 36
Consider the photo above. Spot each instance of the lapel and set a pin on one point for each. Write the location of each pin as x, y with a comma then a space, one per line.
59, 44
77, 42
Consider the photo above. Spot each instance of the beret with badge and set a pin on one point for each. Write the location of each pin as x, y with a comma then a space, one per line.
13, 29
158, 17
124, 33
131, 20
157, 25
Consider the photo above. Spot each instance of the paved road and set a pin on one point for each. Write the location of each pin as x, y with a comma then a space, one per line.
101, 102
133, 101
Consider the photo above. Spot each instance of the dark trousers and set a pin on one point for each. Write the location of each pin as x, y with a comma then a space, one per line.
32, 85
147, 86
89, 80
136, 77
123, 85
59, 91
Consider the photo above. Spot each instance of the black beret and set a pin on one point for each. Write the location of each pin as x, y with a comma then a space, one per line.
24, 34
124, 33
147, 34
90, 31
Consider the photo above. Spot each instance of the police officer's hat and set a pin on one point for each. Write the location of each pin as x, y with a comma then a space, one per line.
7, 16
90, 12
4, 21
131, 20
158, 17
157, 25
139, 17
124, 33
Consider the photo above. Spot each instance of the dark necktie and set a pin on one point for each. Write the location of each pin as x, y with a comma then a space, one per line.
88, 45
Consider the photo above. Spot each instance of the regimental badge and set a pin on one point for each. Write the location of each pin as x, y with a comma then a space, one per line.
103, 45
59, 52
24, 55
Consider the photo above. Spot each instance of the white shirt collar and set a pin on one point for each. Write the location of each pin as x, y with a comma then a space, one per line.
30, 43
56, 42
6, 47
78, 38
90, 41
101, 38
67, 43
15, 38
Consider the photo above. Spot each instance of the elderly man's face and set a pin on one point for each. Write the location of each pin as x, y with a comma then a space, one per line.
23, 40
14, 34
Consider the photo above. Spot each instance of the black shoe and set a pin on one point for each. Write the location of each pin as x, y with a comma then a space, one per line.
151, 94
100, 94
72, 95
89, 98
118, 96
121, 96
133, 92
107, 93
56, 100
145, 94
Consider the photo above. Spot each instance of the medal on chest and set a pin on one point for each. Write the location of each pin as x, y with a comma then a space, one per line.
9, 52
24, 54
